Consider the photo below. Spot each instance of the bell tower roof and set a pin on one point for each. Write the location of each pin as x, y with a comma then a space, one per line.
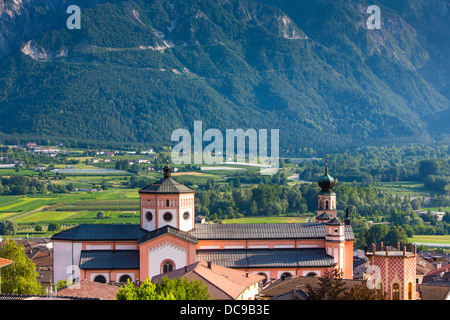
167, 184
326, 182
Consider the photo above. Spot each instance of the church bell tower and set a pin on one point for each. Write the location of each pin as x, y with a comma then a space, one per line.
167, 202
326, 197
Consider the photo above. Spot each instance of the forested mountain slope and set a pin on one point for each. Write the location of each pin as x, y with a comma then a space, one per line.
137, 70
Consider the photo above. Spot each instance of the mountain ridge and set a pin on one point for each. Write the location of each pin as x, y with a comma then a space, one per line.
136, 71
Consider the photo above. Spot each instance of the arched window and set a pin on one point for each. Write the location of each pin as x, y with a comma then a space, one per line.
311, 274
265, 277
410, 291
167, 203
286, 276
124, 278
167, 266
326, 205
395, 291
100, 279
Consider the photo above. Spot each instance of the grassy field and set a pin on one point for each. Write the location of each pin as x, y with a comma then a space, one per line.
120, 205
439, 240
404, 188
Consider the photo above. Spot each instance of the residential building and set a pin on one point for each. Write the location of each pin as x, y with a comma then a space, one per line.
223, 283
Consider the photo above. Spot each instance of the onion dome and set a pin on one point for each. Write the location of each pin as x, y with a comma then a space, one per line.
326, 182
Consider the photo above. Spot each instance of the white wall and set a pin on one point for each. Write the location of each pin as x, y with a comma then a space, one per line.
186, 225
146, 224
64, 255
165, 251
162, 222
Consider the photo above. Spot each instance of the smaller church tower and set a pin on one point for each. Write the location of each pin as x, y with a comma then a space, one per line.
326, 197
167, 202
393, 270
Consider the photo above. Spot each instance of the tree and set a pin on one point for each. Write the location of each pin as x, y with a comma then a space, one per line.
394, 235
20, 276
332, 287
362, 292
53, 226
169, 289
7, 227
100, 215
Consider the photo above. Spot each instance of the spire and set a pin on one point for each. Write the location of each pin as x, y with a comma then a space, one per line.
326, 182
167, 170
347, 219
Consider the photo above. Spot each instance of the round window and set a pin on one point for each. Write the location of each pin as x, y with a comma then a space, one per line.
167, 216
149, 216
186, 215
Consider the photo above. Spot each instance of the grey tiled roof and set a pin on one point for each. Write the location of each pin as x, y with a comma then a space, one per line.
109, 259
264, 231
167, 230
102, 232
266, 258
167, 185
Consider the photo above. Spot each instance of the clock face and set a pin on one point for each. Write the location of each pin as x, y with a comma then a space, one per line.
186, 215
149, 216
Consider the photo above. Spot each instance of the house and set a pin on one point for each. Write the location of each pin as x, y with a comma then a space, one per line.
422, 268
296, 288
148, 151
95, 160
40, 168
437, 259
43, 259
441, 275
89, 290
434, 292
168, 239
200, 219
223, 283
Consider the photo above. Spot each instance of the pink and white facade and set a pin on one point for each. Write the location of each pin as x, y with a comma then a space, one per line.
167, 239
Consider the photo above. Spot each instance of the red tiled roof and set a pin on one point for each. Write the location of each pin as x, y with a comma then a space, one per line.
4, 262
43, 259
223, 282
89, 289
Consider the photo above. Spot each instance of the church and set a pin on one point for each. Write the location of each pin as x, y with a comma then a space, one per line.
168, 238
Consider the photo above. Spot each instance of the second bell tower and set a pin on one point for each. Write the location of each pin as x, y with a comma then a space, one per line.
326, 197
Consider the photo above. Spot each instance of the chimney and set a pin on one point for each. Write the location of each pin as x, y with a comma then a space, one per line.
246, 274
209, 265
